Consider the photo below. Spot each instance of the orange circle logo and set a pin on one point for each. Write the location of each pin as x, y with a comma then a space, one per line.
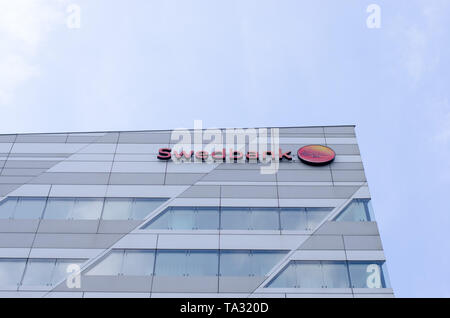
316, 155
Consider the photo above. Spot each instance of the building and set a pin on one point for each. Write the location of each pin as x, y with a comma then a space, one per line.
278, 220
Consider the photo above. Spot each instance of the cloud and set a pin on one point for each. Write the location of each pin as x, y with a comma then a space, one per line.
420, 38
24, 24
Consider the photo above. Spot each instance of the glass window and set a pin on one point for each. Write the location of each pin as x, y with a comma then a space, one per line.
236, 219
7, 207
265, 219
143, 207
11, 271
202, 263
110, 265
235, 263
264, 261
73, 208
358, 210
186, 218
287, 278
313, 274
117, 209
335, 275
59, 208
248, 263
161, 221
367, 275
29, 208
138, 262
315, 216
87, 209
61, 269
293, 219
309, 274
170, 263
39, 272
182, 218
207, 218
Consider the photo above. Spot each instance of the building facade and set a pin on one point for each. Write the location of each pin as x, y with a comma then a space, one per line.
279, 212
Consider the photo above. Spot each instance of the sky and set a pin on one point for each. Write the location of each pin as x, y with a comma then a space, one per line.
161, 64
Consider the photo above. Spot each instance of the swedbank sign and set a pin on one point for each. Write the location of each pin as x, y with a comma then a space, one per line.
315, 155
252, 145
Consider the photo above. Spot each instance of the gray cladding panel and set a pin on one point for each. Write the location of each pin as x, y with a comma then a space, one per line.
137, 178
68, 226
323, 175
185, 284
118, 226
112, 284
75, 240
7, 138
239, 284
44, 138
239, 175
183, 178
30, 164
201, 191
316, 192
7, 188
12, 240
323, 242
351, 149
144, 137
71, 178
363, 243
349, 176
18, 226
249, 192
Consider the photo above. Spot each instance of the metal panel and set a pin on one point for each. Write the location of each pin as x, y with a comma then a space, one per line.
323, 242
362, 243
185, 284
75, 240
68, 226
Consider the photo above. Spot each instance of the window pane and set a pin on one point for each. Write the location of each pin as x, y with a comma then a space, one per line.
110, 265
161, 221
170, 263
39, 272
117, 209
59, 208
235, 263
265, 219
263, 261
315, 216
182, 218
335, 275
138, 263
287, 278
7, 208
309, 275
87, 209
366, 275
356, 211
207, 218
29, 208
11, 271
143, 207
235, 219
60, 271
293, 219
202, 263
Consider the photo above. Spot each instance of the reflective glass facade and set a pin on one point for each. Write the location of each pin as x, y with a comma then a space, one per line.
104, 213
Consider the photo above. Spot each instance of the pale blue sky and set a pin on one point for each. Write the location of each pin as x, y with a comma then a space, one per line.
156, 64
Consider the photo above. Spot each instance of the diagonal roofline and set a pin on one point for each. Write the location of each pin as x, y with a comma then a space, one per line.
165, 130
